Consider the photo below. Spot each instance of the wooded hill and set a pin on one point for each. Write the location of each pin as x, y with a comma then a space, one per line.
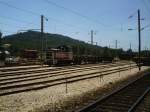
32, 40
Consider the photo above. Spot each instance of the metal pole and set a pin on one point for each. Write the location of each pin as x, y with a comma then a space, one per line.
130, 52
45, 48
42, 29
139, 33
130, 56
116, 46
92, 36
130, 46
0, 40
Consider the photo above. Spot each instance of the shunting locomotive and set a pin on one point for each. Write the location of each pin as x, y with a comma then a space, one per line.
59, 56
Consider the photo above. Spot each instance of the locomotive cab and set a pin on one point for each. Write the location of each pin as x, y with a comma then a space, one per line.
50, 57
60, 56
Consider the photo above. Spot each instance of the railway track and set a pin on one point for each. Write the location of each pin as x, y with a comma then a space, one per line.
144, 105
5, 79
49, 70
125, 99
37, 68
5, 69
18, 84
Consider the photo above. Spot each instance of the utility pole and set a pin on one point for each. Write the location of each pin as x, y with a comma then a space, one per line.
0, 39
130, 50
92, 32
42, 31
116, 44
139, 33
130, 46
139, 37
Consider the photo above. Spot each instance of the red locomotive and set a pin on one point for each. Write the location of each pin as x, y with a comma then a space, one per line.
61, 55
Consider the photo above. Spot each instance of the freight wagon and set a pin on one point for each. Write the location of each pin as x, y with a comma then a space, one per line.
30, 54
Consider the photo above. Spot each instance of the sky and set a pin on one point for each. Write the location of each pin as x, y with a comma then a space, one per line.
76, 18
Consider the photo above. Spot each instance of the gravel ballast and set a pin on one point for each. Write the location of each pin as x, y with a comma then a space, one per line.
55, 98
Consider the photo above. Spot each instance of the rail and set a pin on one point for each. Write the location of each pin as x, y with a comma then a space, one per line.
31, 86
133, 107
109, 96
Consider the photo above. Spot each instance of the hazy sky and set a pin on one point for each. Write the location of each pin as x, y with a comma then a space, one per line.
75, 18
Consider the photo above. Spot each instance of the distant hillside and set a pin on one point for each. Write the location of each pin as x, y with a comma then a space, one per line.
32, 40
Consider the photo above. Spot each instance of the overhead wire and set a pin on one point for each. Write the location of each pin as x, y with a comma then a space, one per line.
145, 27
10, 25
75, 12
20, 9
23, 10
38, 15
84, 16
146, 6
53, 19
17, 20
